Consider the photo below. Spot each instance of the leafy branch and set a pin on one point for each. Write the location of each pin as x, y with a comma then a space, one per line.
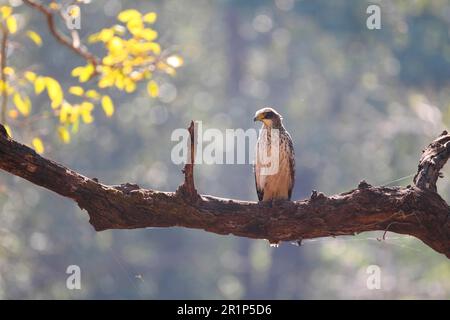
69, 43
132, 56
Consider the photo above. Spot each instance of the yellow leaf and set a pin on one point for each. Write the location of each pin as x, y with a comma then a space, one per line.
64, 112
8, 130
83, 73
153, 89
86, 108
129, 14
74, 114
166, 68
22, 105
30, 76
54, 91
94, 37
8, 71
13, 114
115, 45
74, 11
155, 47
76, 72
87, 117
54, 6
28, 102
108, 60
130, 85
92, 94
4, 87
5, 11
76, 90
136, 76
38, 145
106, 81
36, 38
120, 82
39, 85
108, 106
87, 73
135, 26
150, 17
175, 61
76, 125
148, 34
105, 35
127, 69
11, 24
64, 134
119, 29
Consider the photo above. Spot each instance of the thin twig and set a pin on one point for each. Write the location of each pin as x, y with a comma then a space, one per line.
63, 39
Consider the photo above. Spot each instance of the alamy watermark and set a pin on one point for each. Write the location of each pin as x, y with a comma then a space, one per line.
373, 21
72, 17
73, 281
374, 279
233, 146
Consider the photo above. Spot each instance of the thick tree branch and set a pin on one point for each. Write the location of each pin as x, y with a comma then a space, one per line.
416, 210
433, 158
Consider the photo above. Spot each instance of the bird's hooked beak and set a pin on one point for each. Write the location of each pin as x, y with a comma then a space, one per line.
259, 117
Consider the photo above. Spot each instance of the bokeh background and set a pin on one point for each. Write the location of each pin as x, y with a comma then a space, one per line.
359, 104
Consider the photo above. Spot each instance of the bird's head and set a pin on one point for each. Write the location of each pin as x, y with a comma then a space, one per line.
269, 117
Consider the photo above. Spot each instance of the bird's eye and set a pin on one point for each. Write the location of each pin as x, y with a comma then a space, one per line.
269, 115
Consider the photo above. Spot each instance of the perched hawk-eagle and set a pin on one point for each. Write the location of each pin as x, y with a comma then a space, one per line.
274, 181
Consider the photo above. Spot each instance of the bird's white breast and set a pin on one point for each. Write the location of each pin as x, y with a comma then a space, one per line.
277, 184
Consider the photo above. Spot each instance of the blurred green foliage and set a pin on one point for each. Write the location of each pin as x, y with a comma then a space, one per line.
359, 104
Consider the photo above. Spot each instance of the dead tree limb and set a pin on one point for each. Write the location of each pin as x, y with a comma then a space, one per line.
187, 189
415, 210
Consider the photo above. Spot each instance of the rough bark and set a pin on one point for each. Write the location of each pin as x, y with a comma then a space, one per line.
415, 210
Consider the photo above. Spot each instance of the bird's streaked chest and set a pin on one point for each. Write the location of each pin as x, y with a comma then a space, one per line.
272, 147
